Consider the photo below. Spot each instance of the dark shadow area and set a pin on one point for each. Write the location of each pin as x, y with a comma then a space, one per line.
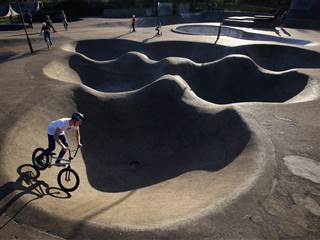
245, 83
27, 183
11, 26
273, 57
4, 56
157, 129
211, 30
23, 34
10, 56
112, 77
213, 82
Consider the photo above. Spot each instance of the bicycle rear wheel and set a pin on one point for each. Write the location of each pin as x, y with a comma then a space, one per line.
68, 179
39, 163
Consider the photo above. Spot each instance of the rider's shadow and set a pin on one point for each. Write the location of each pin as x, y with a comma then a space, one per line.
26, 183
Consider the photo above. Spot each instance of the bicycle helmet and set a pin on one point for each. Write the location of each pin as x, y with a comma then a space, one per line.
77, 116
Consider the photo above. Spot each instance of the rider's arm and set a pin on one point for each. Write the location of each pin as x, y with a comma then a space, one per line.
57, 139
78, 136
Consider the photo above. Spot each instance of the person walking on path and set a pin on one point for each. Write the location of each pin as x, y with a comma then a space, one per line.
158, 29
49, 22
133, 23
64, 20
46, 34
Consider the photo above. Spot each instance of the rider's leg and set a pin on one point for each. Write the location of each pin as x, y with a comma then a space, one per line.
63, 139
49, 37
45, 36
51, 147
65, 23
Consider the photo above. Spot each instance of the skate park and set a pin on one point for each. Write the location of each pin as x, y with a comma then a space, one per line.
185, 137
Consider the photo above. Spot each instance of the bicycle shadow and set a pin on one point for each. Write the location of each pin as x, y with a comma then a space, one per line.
26, 183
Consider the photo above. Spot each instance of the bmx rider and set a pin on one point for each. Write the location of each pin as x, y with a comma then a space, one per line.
56, 133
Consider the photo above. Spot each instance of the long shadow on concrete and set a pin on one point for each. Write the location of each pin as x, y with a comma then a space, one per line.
26, 184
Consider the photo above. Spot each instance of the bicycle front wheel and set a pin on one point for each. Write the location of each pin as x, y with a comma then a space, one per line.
68, 179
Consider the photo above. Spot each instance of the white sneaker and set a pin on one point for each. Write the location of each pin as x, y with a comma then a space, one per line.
61, 162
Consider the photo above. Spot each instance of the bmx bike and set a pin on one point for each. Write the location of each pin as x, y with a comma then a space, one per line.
68, 179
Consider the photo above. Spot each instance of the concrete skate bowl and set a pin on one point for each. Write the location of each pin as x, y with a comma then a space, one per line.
161, 136
213, 30
156, 157
234, 77
273, 57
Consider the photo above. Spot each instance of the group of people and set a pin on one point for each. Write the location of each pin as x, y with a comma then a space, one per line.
47, 25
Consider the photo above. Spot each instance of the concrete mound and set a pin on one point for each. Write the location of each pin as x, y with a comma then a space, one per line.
158, 147
269, 56
212, 81
163, 135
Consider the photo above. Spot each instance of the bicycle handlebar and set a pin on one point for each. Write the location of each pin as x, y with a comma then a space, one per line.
69, 150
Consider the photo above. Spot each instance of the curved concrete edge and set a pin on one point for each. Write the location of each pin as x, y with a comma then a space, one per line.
236, 33
61, 70
309, 94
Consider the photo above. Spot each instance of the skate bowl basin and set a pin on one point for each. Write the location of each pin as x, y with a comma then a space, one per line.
155, 158
212, 30
259, 73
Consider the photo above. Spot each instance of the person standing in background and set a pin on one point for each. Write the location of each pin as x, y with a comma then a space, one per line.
64, 20
133, 23
28, 19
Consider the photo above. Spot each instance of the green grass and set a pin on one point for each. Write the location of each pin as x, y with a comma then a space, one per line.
14, 19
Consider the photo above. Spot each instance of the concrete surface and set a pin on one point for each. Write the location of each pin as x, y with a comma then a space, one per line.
221, 132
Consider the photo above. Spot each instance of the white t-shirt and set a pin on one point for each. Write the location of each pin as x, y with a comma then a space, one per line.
62, 124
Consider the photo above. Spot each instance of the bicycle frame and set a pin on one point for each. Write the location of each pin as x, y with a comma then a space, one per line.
68, 161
